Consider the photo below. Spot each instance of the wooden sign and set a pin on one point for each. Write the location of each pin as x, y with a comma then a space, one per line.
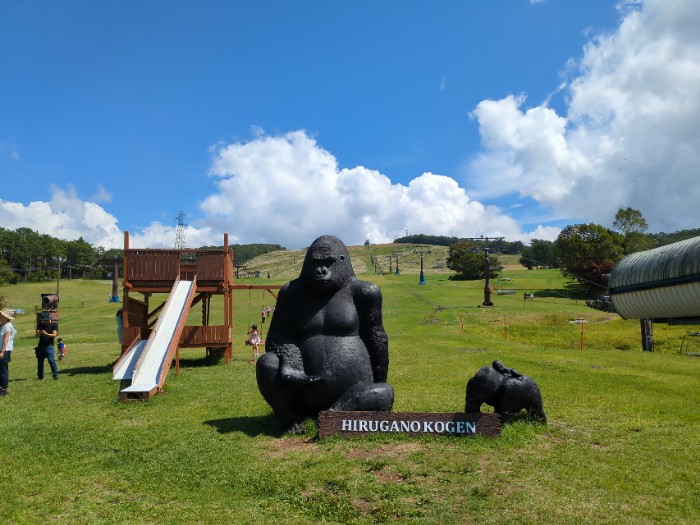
459, 424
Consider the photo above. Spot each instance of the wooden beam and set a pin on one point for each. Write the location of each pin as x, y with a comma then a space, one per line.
257, 286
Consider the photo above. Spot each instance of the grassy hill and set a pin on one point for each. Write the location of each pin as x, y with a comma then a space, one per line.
620, 446
286, 264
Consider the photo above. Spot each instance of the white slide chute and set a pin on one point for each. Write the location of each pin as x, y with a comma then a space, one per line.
147, 362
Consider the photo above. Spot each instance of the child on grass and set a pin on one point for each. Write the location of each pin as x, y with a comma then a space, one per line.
254, 340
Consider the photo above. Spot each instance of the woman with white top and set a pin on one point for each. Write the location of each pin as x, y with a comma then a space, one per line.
7, 341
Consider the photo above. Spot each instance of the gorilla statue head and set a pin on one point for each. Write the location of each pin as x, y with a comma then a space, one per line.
327, 265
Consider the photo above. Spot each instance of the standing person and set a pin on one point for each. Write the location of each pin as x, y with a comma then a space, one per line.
264, 315
46, 331
7, 341
254, 340
120, 324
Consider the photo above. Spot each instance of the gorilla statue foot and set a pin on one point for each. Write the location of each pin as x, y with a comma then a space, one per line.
366, 396
296, 428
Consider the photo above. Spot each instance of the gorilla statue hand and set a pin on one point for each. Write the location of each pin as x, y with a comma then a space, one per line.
290, 375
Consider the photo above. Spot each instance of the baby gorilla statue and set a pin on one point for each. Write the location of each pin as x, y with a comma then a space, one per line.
326, 346
506, 390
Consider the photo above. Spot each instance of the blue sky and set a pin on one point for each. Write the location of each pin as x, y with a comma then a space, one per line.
279, 121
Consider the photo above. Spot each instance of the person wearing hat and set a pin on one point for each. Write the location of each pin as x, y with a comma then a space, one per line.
46, 331
7, 342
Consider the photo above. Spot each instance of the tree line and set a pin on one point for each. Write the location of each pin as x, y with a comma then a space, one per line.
508, 247
26, 255
586, 253
242, 253
29, 256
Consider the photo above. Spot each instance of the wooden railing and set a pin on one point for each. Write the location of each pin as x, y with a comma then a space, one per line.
211, 266
167, 265
201, 336
152, 265
192, 336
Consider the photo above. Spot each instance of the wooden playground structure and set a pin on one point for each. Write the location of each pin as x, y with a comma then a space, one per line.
150, 271
159, 271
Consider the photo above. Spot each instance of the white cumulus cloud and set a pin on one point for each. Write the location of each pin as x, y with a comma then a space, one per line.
287, 189
65, 216
630, 135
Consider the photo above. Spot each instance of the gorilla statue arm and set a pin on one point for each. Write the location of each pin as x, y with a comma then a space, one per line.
368, 299
282, 340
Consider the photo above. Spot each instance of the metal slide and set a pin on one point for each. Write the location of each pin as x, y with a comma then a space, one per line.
124, 367
150, 366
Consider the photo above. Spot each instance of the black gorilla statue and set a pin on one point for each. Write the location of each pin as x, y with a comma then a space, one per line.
506, 390
326, 346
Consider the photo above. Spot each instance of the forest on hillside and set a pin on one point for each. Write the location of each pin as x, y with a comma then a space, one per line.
657, 239
28, 256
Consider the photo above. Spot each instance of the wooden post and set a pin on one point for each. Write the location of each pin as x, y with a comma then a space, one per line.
228, 315
647, 327
58, 277
487, 285
115, 282
228, 303
421, 279
125, 303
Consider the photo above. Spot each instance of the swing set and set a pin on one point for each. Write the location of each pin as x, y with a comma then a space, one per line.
265, 288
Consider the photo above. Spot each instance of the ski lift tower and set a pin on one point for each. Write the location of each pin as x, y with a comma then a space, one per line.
487, 269
421, 250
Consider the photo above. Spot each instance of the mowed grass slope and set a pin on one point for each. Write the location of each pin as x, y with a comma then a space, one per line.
621, 445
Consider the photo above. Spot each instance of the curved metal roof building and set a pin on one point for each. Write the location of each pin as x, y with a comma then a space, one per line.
662, 284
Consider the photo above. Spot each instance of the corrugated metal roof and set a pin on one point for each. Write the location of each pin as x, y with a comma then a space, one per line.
659, 283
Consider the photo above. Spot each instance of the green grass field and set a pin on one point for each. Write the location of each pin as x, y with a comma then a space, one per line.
621, 445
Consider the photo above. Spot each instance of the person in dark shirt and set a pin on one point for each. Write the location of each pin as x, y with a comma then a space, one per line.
46, 331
